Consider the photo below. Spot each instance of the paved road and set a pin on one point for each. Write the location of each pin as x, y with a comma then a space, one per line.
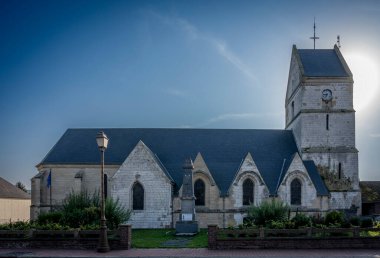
193, 253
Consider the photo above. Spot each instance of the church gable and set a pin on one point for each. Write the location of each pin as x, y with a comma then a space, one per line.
296, 167
209, 195
302, 179
248, 166
142, 159
295, 74
248, 186
142, 185
201, 170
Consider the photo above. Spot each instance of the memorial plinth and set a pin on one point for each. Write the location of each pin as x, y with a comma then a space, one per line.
187, 225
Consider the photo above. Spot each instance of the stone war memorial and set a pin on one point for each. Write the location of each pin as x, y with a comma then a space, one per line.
187, 224
311, 164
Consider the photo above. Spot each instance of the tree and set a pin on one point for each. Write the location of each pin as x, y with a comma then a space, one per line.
21, 186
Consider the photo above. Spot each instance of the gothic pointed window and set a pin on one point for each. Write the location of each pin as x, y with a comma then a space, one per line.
248, 192
340, 170
138, 196
199, 192
295, 192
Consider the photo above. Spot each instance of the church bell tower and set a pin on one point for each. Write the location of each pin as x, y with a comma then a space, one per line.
319, 111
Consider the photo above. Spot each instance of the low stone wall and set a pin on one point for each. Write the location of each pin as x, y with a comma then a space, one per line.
302, 239
119, 239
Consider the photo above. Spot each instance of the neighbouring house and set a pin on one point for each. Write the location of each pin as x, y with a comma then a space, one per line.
311, 164
14, 203
370, 197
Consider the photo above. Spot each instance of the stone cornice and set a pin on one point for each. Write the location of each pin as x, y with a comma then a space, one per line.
320, 111
339, 149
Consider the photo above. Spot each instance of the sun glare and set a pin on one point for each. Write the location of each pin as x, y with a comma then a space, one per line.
366, 80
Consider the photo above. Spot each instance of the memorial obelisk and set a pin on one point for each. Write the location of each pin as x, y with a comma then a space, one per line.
187, 225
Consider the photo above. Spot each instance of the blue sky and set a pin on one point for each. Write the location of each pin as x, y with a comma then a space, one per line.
198, 64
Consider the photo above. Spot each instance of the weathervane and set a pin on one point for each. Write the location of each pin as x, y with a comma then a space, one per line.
338, 41
314, 38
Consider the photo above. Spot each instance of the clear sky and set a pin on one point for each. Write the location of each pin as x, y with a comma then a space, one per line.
198, 64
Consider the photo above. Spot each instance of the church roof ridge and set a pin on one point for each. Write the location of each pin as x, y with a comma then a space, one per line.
172, 128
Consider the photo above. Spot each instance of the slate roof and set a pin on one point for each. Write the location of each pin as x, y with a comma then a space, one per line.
222, 149
321, 63
316, 178
7, 190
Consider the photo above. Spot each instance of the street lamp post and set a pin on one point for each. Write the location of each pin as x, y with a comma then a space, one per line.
102, 141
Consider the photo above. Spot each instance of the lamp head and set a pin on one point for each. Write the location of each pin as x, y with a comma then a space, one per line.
102, 140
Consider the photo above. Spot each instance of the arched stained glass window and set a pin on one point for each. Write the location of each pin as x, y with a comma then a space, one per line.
138, 196
295, 192
248, 188
199, 192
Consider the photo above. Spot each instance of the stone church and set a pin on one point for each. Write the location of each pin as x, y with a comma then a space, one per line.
312, 164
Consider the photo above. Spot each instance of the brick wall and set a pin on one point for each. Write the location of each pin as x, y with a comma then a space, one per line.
289, 242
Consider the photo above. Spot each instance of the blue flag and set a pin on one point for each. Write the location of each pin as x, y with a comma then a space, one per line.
49, 180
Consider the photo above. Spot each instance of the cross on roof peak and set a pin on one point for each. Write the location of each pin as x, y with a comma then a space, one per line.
314, 37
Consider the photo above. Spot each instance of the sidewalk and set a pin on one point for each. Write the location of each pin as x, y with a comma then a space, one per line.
201, 252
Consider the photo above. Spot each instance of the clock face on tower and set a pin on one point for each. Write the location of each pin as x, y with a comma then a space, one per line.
326, 95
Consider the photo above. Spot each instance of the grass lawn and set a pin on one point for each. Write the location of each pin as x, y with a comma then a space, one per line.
165, 238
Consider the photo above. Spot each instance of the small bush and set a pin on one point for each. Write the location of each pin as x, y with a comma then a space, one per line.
355, 221
51, 226
366, 223
115, 213
335, 218
317, 220
301, 220
90, 227
270, 210
18, 225
345, 224
248, 222
50, 217
83, 209
276, 224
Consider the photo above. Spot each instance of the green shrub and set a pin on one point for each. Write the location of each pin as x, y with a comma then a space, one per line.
301, 220
366, 223
248, 222
115, 213
78, 211
18, 225
334, 218
83, 209
51, 226
355, 221
50, 217
270, 210
276, 224
346, 224
317, 220
90, 227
